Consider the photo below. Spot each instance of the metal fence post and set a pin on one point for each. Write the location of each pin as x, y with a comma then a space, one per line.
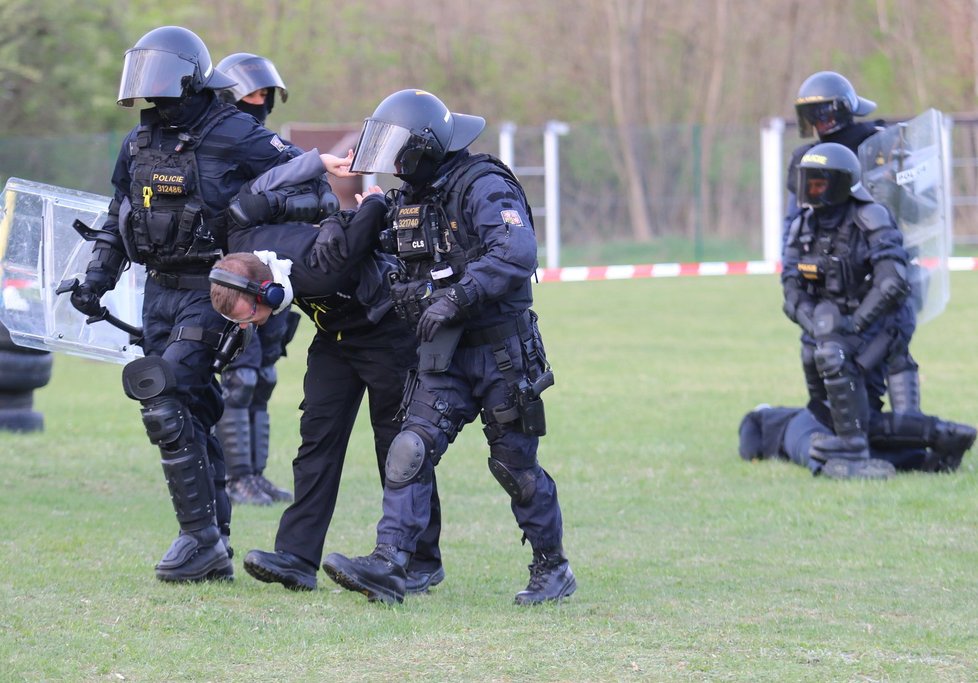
772, 184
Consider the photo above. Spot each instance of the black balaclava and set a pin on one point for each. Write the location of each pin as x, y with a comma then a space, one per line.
259, 111
427, 170
182, 111
830, 217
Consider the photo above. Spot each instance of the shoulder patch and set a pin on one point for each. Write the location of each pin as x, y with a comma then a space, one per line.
277, 143
511, 217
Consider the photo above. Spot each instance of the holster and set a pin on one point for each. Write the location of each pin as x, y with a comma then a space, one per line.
436, 355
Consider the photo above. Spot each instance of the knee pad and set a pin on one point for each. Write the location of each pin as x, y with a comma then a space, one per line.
519, 484
147, 378
405, 458
238, 386
151, 381
831, 359
267, 379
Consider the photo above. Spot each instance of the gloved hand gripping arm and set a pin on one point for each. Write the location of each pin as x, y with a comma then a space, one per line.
103, 271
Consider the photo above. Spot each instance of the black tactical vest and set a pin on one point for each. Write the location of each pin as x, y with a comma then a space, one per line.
167, 227
430, 238
831, 265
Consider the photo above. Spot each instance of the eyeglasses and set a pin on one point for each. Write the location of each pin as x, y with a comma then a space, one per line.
243, 321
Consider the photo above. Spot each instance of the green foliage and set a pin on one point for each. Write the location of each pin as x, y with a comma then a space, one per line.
877, 77
692, 564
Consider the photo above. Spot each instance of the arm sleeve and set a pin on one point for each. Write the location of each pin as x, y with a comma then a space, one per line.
498, 214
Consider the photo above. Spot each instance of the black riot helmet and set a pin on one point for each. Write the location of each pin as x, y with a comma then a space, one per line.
829, 173
826, 103
168, 62
412, 128
251, 73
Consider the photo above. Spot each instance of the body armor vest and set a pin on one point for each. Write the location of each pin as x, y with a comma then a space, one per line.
166, 226
830, 265
430, 239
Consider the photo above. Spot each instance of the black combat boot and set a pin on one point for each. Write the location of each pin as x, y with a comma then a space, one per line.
247, 491
951, 441
946, 442
277, 494
551, 579
196, 556
847, 457
379, 575
420, 580
825, 447
280, 567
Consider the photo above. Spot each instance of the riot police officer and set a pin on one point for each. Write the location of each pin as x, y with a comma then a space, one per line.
175, 174
247, 381
845, 283
256, 83
462, 232
826, 107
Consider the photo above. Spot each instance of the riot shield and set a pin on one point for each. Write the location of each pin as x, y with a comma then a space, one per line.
907, 168
40, 248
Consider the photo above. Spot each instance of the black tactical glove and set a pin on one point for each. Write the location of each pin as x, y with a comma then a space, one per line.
247, 209
330, 250
448, 307
86, 299
829, 320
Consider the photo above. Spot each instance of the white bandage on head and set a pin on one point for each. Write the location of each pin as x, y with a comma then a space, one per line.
281, 269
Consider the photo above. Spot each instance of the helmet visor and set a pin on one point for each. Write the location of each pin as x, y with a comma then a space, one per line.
255, 74
379, 147
824, 117
819, 187
152, 73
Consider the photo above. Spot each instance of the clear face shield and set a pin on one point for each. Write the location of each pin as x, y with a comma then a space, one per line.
821, 117
820, 187
255, 74
387, 148
153, 73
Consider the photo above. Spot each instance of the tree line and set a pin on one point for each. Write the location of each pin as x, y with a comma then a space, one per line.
634, 68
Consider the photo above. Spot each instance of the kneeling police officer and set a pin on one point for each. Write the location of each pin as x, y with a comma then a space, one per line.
845, 284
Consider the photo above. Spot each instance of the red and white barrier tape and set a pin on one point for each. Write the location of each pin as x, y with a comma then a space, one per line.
706, 268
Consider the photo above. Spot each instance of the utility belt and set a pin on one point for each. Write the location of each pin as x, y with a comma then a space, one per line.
176, 281
499, 333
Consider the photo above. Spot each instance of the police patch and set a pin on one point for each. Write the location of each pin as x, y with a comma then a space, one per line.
277, 143
511, 217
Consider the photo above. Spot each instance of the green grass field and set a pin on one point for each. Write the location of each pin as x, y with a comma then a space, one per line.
692, 565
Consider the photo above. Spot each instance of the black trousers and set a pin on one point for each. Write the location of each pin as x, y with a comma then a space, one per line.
339, 368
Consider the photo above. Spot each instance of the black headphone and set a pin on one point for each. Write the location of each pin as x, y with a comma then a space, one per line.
267, 292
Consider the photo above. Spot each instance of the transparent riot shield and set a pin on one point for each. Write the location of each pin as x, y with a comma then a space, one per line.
907, 168
40, 249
